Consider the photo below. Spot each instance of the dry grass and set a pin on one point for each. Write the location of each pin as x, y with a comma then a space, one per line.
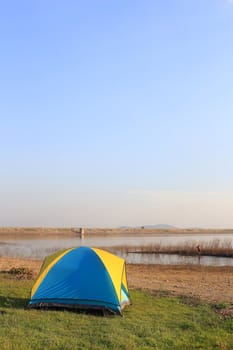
213, 248
21, 273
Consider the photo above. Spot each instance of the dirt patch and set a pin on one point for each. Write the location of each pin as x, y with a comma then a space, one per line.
15, 264
212, 284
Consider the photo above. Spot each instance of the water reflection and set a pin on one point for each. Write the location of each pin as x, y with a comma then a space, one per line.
174, 259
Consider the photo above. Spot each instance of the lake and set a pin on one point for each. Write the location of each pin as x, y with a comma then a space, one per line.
39, 248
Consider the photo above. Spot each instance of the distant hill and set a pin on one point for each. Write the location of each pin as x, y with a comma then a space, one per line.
161, 226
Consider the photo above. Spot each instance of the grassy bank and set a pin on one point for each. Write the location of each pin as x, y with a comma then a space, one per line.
152, 322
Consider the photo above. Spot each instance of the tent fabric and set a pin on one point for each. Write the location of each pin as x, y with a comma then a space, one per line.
82, 277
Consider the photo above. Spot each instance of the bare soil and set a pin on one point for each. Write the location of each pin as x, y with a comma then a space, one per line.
7, 263
211, 284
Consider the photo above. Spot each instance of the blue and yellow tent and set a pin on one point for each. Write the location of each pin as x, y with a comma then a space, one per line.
82, 278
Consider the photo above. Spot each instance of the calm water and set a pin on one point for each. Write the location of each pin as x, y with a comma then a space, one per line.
39, 248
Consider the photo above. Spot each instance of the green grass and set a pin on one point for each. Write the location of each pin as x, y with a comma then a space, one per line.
152, 322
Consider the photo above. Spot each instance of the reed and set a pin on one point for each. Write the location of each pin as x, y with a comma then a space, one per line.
213, 248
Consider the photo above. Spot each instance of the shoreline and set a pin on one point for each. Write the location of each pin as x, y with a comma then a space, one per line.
73, 232
207, 283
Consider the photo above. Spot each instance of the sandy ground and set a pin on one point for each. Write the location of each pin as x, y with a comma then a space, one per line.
212, 284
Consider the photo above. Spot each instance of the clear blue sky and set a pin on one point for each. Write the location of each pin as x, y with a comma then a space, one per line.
116, 113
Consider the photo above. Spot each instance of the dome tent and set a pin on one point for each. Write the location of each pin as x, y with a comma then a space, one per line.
82, 278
